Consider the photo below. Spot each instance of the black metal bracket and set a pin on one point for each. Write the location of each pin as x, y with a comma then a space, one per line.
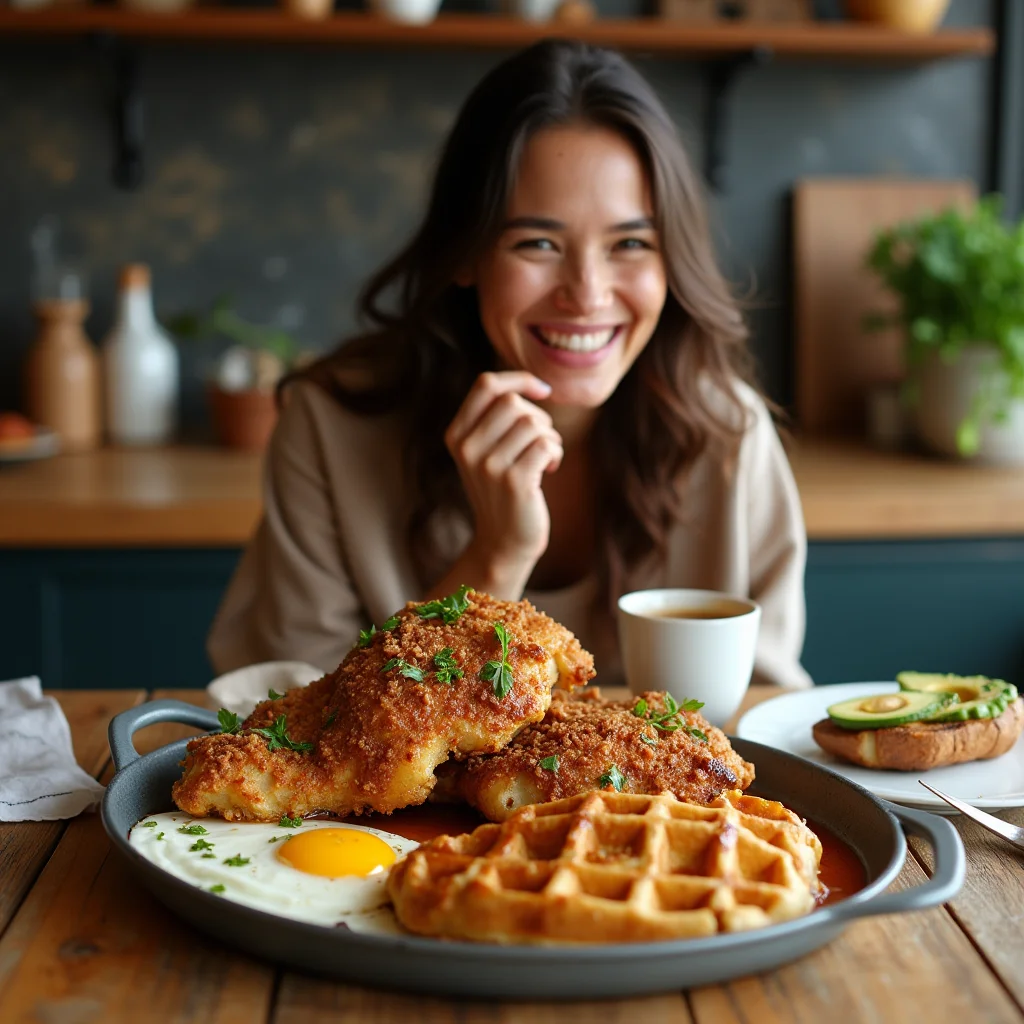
721, 77
127, 109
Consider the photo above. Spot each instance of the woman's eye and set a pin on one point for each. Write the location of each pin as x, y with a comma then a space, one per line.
633, 243
541, 244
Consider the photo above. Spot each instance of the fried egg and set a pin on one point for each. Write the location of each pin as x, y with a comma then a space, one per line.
322, 872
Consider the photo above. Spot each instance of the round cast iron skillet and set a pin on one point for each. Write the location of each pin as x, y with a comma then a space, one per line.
869, 826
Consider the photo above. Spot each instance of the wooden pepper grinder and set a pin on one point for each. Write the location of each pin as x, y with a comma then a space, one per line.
62, 375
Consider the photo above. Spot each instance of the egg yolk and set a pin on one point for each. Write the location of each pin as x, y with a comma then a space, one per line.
334, 852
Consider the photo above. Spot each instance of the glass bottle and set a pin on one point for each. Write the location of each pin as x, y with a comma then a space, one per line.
140, 366
62, 375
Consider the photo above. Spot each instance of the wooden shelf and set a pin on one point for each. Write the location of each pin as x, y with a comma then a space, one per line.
818, 40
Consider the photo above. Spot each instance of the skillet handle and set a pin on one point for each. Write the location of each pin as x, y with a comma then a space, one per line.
946, 880
124, 726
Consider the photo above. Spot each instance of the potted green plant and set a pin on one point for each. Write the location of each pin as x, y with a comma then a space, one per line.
242, 388
958, 278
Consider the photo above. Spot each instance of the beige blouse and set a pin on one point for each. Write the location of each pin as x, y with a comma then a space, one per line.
328, 557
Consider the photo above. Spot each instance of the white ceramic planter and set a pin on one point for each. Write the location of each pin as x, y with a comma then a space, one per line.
412, 12
947, 393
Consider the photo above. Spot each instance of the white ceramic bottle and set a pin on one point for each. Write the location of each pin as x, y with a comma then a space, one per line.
140, 367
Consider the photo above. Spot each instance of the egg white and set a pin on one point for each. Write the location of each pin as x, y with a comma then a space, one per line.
266, 882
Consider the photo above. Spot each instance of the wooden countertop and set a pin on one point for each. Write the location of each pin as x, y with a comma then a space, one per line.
196, 497
81, 939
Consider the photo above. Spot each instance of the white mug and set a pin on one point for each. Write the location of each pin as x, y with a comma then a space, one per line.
705, 651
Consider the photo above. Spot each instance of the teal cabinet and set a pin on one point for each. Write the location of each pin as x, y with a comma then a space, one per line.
138, 618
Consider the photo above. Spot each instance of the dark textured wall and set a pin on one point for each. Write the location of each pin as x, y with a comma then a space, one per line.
284, 174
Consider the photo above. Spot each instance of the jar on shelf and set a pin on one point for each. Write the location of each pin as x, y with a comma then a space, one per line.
140, 367
62, 375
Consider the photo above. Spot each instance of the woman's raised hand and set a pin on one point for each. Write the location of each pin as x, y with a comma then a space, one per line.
503, 445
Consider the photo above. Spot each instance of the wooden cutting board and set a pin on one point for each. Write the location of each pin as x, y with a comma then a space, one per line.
834, 224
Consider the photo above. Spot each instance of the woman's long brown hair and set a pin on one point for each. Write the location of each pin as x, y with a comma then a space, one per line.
426, 345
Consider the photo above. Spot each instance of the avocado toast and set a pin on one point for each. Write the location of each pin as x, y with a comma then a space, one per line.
933, 720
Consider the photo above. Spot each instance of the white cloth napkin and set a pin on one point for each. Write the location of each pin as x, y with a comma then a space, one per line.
39, 777
240, 691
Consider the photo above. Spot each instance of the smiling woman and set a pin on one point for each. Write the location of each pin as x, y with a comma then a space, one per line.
554, 399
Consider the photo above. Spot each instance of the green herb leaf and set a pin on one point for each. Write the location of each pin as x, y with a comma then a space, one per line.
193, 830
218, 888
272, 694
366, 636
651, 741
449, 608
228, 721
277, 839
287, 822
407, 670
209, 856
389, 624
149, 824
277, 737
159, 835
671, 718
200, 844
447, 667
499, 673
549, 763
330, 719
238, 861
614, 778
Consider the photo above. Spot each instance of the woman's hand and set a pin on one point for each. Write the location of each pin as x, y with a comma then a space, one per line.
503, 445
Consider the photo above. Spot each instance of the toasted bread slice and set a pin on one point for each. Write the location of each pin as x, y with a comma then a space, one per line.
919, 746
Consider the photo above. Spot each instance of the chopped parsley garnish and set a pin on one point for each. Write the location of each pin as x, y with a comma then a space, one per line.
499, 673
193, 830
159, 835
651, 741
228, 721
549, 763
218, 888
287, 822
407, 670
447, 667
446, 608
238, 861
614, 778
672, 717
149, 824
277, 839
277, 737
330, 719
200, 844
272, 694
209, 856
366, 635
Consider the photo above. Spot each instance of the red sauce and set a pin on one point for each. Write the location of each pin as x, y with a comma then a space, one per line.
841, 872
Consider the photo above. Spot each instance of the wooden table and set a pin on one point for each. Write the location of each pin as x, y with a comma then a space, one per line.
81, 941
206, 496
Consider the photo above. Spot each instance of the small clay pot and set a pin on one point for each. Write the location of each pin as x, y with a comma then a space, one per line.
904, 15
243, 419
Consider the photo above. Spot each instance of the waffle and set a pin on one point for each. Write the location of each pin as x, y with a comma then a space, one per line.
612, 867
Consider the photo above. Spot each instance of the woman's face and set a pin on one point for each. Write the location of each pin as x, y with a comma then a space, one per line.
573, 288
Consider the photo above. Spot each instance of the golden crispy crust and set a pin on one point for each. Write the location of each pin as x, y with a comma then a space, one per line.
921, 746
378, 734
588, 735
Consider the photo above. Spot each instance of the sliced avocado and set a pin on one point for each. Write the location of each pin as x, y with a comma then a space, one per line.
977, 696
884, 709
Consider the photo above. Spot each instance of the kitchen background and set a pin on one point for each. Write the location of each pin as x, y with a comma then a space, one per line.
283, 174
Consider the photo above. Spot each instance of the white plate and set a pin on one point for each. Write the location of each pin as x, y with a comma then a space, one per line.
42, 446
785, 723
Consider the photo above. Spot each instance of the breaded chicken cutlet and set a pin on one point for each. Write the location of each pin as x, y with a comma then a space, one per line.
462, 675
585, 743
